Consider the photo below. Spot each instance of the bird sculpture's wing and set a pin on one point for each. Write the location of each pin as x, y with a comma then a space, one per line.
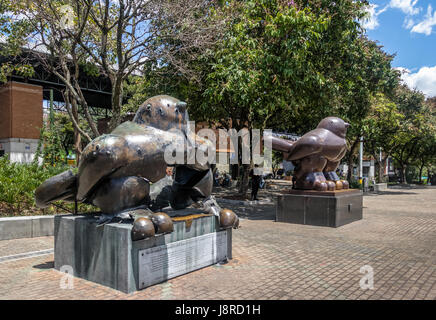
305, 146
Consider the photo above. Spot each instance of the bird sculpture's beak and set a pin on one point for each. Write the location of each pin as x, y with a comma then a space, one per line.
347, 124
181, 105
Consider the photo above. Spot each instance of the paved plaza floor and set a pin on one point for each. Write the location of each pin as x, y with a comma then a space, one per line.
396, 239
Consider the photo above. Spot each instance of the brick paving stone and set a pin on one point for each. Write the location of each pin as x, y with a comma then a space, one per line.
272, 260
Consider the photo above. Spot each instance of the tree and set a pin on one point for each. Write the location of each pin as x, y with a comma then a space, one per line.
283, 65
55, 140
380, 129
277, 159
110, 38
16, 28
415, 140
254, 71
287, 65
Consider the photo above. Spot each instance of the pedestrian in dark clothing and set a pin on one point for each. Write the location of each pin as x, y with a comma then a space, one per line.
255, 182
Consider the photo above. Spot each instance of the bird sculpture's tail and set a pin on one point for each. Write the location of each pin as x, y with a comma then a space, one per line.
281, 145
60, 187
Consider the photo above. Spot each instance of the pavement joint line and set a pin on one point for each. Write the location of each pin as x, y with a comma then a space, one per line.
26, 255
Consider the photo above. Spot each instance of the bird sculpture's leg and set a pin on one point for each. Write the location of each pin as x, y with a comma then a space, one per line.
148, 224
309, 176
128, 198
198, 192
193, 188
331, 175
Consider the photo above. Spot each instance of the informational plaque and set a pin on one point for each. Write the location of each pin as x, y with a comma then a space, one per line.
164, 262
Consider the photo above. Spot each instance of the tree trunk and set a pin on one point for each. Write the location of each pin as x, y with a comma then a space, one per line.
234, 168
350, 159
243, 187
421, 168
381, 166
117, 96
244, 174
77, 136
70, 103
403, 173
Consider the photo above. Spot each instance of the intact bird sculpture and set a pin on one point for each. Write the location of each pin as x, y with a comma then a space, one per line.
317, 155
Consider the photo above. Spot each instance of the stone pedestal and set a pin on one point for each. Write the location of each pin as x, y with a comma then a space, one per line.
380, 187
107, 255
328, 208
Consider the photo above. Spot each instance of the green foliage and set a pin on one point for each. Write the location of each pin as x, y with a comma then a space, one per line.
50, 147
404, 127
355, 184
277, 159
17, 187
381, 126
285, 65
56, 140
18, 183
415, 143
13, 29
261, 66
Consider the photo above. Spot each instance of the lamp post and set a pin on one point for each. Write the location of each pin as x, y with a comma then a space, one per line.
361, 161
51, 115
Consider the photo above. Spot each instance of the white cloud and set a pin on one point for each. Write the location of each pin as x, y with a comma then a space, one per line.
426, 26
423, 80
370, 22
408, 23
407, 6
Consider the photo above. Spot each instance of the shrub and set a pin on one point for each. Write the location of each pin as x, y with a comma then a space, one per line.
17, 188
355, 184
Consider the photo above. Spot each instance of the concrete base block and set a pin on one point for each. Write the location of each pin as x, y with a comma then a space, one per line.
380, 187
107, 255
19, 150
329, 209
26, 227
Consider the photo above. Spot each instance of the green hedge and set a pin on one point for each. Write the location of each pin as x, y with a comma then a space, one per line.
17, 186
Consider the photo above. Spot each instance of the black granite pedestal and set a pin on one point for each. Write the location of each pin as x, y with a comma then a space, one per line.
320, 208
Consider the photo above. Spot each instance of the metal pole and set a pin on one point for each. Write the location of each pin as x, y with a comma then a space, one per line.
382, 170
361, 161
51, 109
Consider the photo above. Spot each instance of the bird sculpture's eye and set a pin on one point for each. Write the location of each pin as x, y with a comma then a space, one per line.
148, 107
176, 111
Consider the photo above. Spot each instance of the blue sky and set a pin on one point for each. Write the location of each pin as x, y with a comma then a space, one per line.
407, 28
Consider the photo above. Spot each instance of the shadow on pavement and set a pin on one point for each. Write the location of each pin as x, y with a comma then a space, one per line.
253, 212
45, 265
381, 193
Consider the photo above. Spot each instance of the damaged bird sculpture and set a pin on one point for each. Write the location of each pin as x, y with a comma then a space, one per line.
124, 172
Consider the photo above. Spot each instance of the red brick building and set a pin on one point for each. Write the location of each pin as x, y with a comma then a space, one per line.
21, 118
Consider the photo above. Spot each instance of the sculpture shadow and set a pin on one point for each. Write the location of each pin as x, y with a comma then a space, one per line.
253, 211
381, 193
45, 265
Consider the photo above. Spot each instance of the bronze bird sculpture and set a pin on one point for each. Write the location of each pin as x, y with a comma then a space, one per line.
317, 155
118, 171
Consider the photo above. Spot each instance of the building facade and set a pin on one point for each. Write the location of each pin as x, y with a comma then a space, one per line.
21, 119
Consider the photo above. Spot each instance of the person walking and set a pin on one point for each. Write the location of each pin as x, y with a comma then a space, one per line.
255, 181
